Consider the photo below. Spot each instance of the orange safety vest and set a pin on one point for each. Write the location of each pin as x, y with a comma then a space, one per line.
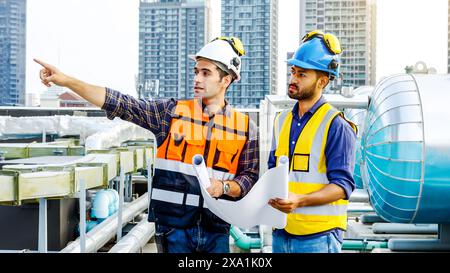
176, 195
220, 140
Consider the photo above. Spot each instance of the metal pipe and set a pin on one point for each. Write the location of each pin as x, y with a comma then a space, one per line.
136, 239
394, 228
363, 245
103, 232
337, 100
244, 241
370, 218
442, 243
359, 208
359, 196
421, 245
355, 102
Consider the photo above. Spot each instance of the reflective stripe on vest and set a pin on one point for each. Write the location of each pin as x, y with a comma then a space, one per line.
176, 197
188, 169
279, 120
323, 210
308, 172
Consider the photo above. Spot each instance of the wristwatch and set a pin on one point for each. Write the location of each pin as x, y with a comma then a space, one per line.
225, 187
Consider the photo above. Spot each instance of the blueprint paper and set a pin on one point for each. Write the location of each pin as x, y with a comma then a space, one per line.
253, 209
202, 172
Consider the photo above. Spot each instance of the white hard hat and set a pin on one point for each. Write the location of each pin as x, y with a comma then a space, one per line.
221, 51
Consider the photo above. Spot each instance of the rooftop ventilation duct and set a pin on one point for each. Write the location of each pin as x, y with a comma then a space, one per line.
406, 149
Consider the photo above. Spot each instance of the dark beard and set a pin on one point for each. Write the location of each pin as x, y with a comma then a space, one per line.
304, 95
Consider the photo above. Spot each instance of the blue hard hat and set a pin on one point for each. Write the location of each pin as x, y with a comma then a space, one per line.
314, 54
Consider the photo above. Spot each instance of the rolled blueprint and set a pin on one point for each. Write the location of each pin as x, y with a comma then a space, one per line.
201, 171
253, 209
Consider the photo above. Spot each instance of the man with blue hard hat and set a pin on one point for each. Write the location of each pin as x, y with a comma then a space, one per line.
320, 144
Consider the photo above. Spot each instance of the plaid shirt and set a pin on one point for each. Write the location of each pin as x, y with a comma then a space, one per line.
156, 116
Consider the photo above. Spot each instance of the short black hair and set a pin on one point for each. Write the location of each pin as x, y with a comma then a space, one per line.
320, 73
223, 74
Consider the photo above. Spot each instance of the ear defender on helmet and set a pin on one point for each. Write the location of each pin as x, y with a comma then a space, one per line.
236, 62
318, 51
334, 65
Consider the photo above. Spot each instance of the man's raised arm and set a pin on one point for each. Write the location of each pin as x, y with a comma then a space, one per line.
50, 74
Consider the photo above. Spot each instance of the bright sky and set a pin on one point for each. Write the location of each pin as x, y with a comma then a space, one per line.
97, 40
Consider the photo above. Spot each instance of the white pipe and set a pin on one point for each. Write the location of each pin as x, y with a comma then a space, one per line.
136, 239
359, 196
103, 232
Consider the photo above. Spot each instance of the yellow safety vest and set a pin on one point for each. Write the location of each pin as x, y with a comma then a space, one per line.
308, 171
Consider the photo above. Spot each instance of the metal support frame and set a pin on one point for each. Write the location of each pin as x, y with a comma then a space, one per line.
82, 184
42, 241
128, 188
119, 212
149, 182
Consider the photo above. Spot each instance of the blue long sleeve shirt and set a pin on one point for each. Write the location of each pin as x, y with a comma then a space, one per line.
339, 153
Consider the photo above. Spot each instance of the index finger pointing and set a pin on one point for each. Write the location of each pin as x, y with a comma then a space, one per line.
42, 63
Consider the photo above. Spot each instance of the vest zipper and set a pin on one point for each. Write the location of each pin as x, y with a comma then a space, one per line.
208, 139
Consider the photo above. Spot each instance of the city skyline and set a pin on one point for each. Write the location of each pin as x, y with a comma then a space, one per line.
103, 47
168, 33
255, 22
12, 51
354, 22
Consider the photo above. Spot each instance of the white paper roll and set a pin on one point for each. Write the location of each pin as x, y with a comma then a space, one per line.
253, 209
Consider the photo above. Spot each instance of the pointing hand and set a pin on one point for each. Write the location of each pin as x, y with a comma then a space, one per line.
50, 74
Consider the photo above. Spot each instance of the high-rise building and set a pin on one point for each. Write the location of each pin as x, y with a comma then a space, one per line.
354, 23
289, 56
12, 51
255, 22
169, 31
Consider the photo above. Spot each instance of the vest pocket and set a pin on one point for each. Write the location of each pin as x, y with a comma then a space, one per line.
194, 147
176, 146
300, 163
225, 155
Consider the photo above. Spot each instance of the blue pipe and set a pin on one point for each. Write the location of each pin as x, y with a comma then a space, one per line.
243, 241
89, 226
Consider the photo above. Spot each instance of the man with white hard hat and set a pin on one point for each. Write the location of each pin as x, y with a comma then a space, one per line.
205, 125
